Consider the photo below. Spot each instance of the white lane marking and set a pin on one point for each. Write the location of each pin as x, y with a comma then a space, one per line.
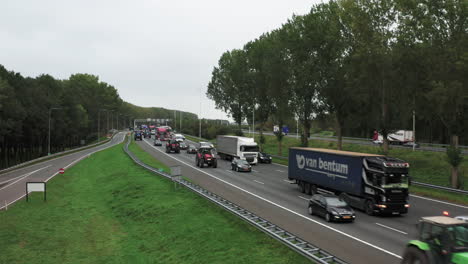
22, 196
258, 182
307, 199
24, 175
280, 171
284, 208
289, 181
434, 200
391, 228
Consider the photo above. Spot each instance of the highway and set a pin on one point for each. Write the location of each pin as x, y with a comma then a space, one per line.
368, 142
13, 183
267, 192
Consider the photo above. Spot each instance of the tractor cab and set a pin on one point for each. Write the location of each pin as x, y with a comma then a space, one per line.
442, 240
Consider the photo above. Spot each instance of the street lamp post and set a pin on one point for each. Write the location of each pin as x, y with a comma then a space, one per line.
50, 113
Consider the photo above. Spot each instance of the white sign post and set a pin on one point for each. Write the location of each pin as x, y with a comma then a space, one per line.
176, 175
35, 187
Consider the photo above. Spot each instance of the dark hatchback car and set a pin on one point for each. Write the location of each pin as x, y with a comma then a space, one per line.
183, 145
264, 158
191, 149
331, 208
240, 165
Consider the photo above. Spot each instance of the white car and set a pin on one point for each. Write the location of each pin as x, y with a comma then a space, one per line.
462, 217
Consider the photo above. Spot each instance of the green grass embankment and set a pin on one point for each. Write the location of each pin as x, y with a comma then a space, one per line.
425, 166
106, 209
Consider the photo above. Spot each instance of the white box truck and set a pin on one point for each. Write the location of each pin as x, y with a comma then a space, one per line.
399, 137
229, 147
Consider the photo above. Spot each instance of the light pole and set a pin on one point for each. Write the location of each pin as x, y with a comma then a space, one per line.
99, 123
50, 113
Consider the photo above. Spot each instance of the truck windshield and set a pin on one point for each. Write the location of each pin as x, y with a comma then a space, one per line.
392, 179
249, 148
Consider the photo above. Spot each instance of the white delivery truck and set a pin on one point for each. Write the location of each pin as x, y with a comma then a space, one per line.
399, 137
230, 147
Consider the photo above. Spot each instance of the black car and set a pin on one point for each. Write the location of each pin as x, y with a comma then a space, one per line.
191, 149
183, 145
331, 208
138, 136
157, 142
240, 165
264, 158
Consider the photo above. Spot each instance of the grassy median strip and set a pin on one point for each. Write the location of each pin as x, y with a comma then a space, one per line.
106, 209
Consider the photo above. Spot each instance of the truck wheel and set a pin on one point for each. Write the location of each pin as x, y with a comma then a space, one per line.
302, 186
308, 188
369, 207
313, 189
413, 255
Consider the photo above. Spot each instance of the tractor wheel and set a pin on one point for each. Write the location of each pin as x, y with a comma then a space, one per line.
201, 163
413, 255
215, 164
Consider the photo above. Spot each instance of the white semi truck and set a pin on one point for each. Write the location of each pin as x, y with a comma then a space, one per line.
399, 137
230, 147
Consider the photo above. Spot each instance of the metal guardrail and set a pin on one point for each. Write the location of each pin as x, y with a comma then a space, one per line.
438, 187
297, 244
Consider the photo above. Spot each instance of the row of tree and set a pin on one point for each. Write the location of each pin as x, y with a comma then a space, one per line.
365, 64
77, 108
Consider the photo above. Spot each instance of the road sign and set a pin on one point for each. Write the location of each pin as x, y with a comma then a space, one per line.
61, 171
35, 187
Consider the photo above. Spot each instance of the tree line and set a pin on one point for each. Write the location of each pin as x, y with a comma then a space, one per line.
77, 106
361, 64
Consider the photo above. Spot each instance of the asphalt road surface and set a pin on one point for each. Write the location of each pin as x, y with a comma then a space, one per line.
13, 183
267, 192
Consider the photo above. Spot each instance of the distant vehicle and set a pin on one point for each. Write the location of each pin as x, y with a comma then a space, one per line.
230, 147
240, 165
153, 131
138, 135
331, 208
264, 158
147, 134
183, 145
191, 149
284, 130
400, 137
179, 137
157, 142
172, 146
206, 155
163, 133
463, 218
205, 145
370, 182
442, 239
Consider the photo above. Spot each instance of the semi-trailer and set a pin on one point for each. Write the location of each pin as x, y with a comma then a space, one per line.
370, 182
230, 147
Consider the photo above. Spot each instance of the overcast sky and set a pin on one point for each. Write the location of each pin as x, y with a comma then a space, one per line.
156, 53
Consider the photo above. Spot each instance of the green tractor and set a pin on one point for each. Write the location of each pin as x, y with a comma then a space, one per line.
442, 240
